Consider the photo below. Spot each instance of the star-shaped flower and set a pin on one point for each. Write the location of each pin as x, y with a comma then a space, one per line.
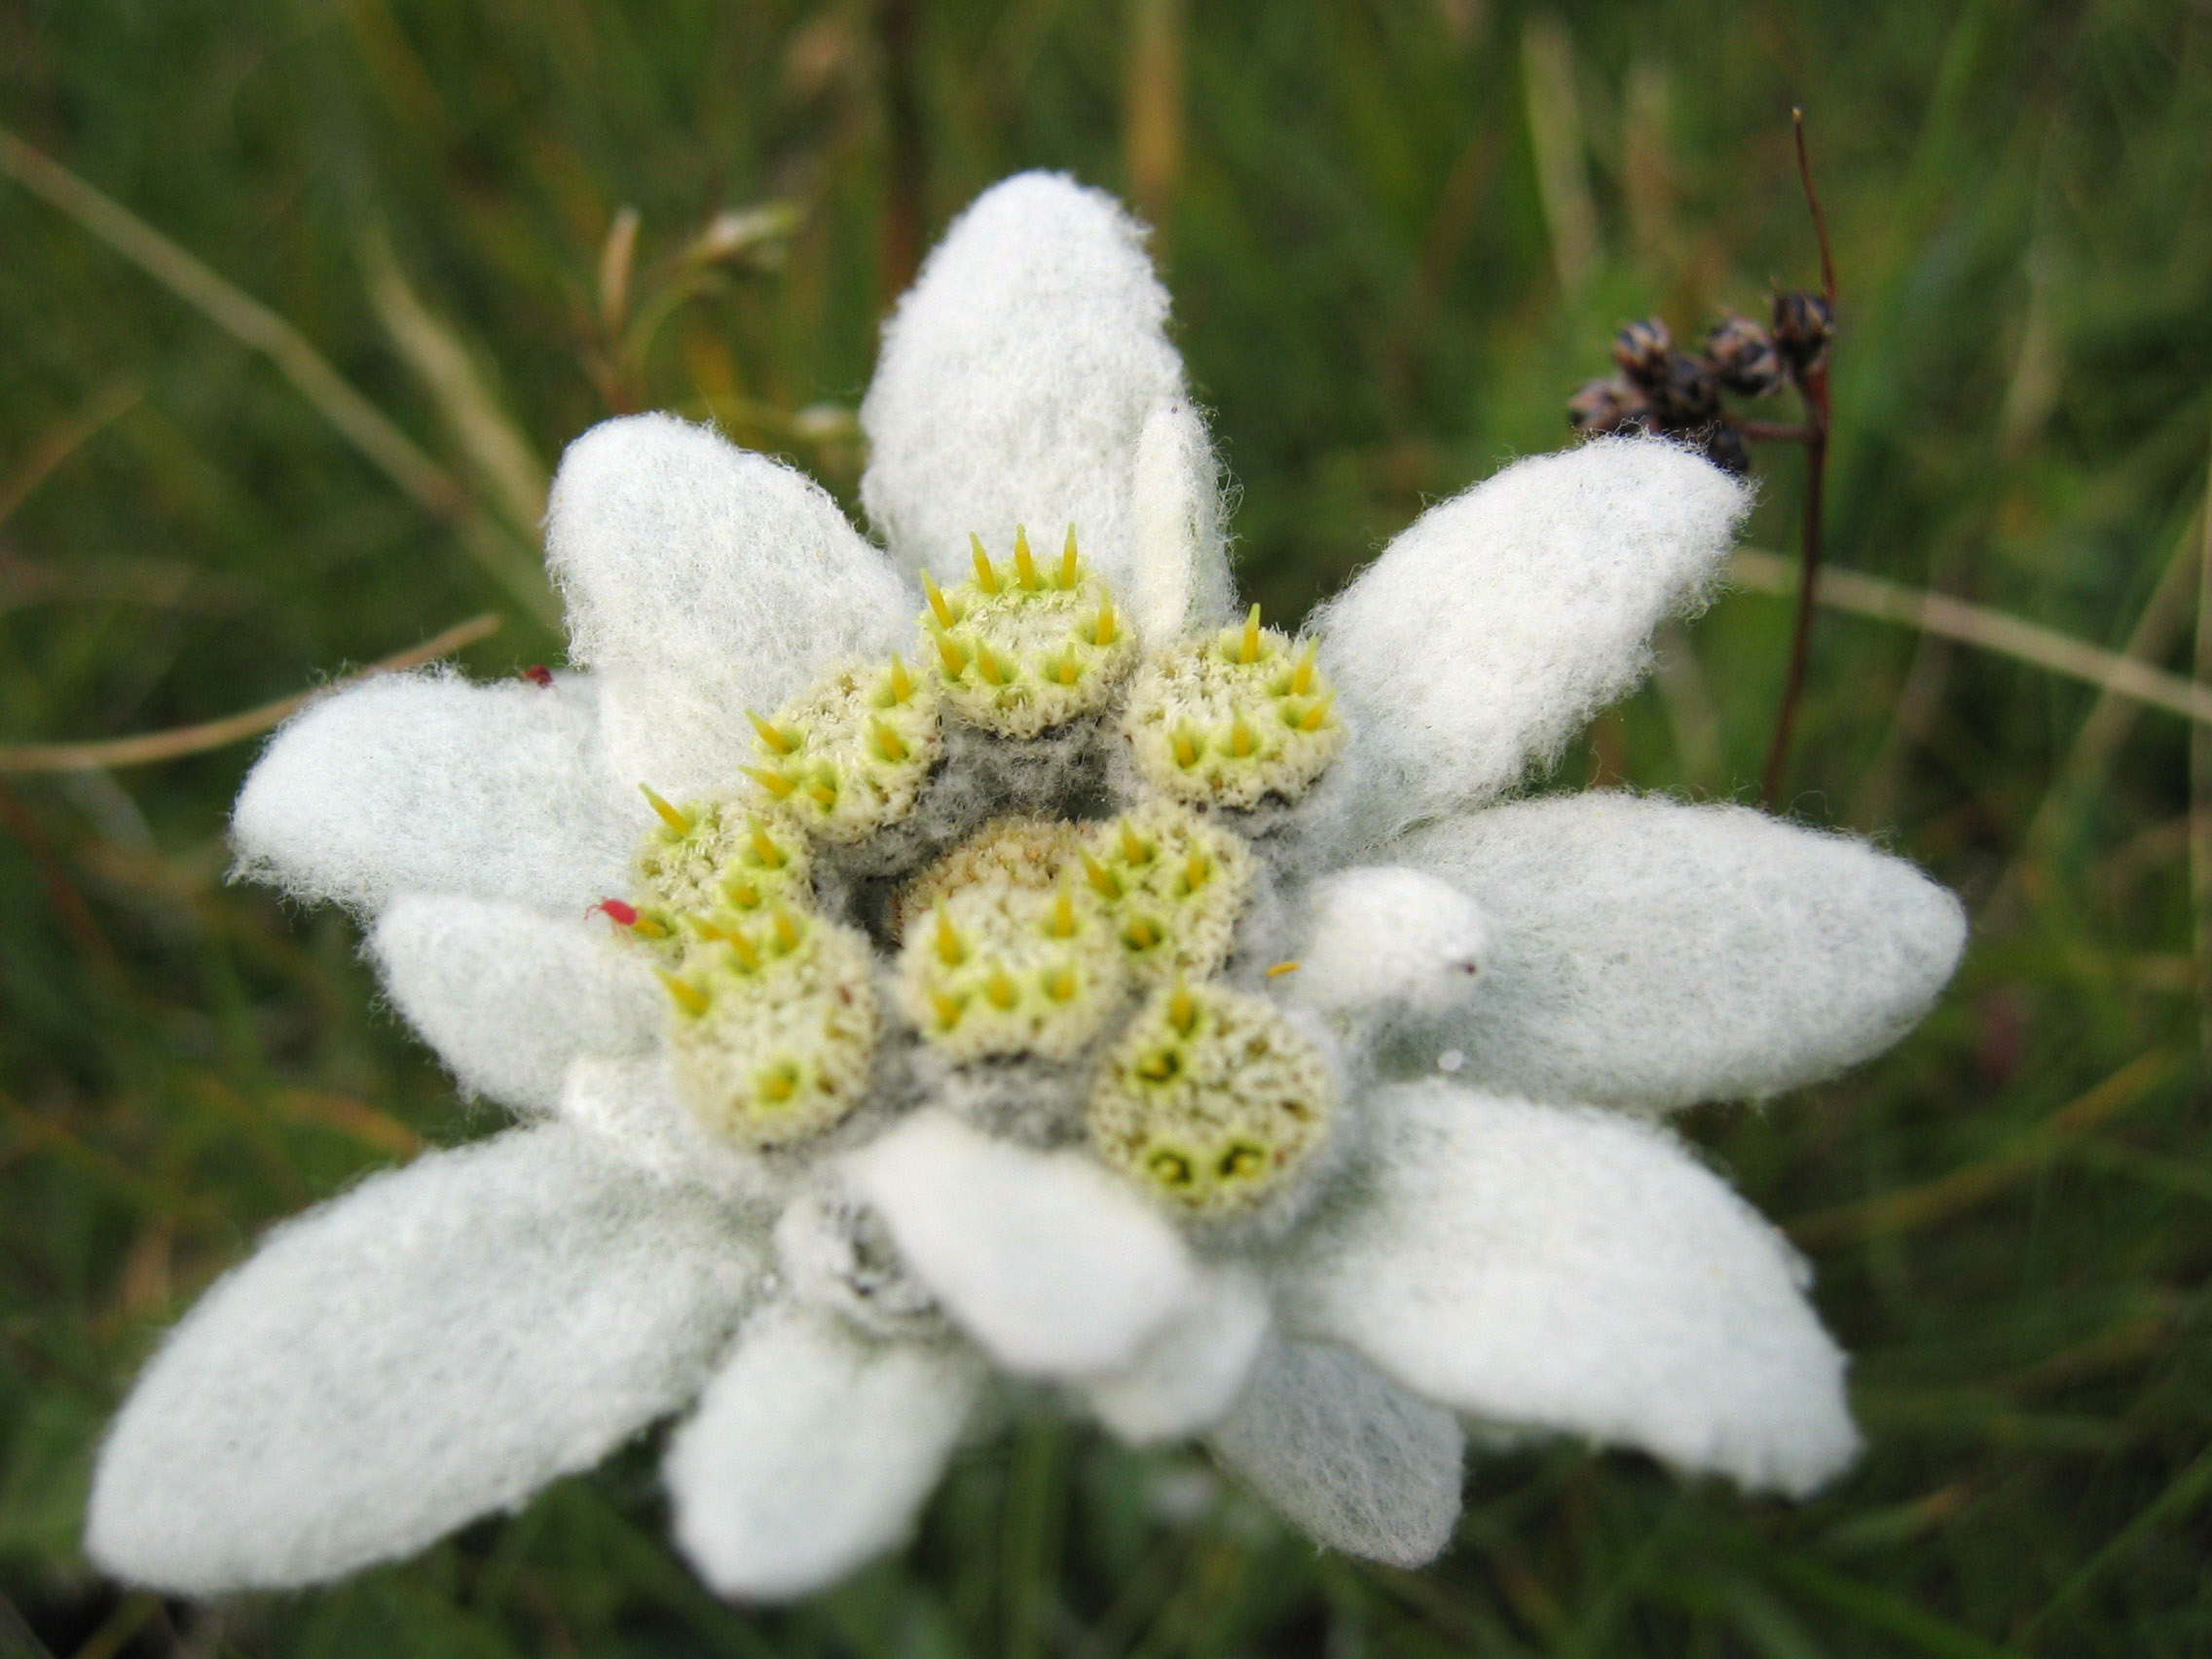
1052, 977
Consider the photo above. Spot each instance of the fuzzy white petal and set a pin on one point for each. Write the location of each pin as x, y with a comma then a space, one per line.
508, 996
1015, 386
1486, 633
432, 1347
1577, 1270
1345, 1455
1044, 1258
1652, 954
1385, 937
1190, 1374
701, 580
425, 782
629, 1104
812, 1451
1181, 575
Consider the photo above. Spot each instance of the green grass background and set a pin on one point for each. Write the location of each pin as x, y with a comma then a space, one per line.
1398, 235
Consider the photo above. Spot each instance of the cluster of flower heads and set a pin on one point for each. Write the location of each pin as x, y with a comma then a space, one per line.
1675, 393
1091, 939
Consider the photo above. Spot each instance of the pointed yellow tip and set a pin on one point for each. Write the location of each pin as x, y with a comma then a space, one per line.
1186, 749
786, 930
902, 682
888, 743
1002, 991
1134, 846
1060, 984
940, 607
1302, 677
1283, 968
1182, 1009
1025, 562
1106, 631
1142, 934
1071, 565
777, 1083
951, 950
823, 791
1062, 925
986, 578
1241, 739
647, 927
1196, 869
679, 822
1108, 884
1250, 650
1317, 715
994, 670
765, 849
947, 1008
1069, 671
773, 739
953, 655
687, 996
741, 894
775, 782
748, 954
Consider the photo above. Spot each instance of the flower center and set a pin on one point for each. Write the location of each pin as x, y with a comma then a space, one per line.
1075, 962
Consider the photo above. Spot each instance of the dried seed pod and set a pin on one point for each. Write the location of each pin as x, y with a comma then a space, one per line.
1803, 326
1607, 406
1641, 349
1743, 357
1723, 446
1687, 397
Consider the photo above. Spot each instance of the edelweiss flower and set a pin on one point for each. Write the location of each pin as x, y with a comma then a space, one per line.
1049, 975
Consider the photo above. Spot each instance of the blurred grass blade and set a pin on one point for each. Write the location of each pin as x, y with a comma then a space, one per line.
1976, 625
1554, 134
495, 448
106, 406
1878, 1609
253, 324
1151, 110
1904, 1209
170, 745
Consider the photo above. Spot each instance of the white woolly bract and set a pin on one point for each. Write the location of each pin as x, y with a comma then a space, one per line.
432, 1347
1014, 386
811, 1452
425, 782
510, 996
1573, 1269
1188, 1376
1651, 954
702, 580
1345, 1455
1056, 1268
1492, 630
1182, 571
1388, 938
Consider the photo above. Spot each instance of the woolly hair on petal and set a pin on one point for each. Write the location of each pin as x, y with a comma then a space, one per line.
424, 783
1503, 620
1188, 1375
433, 1346
510, 996
812, 1451
1016, 386
1389, 938
1051, 1264
1575, 1271
703, 580
1652, 954
1345, 1455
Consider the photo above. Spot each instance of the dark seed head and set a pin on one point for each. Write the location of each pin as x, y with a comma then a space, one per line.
1607, 406
1723, 446
1641, 349
1803, 326
1687, 397
1743, 357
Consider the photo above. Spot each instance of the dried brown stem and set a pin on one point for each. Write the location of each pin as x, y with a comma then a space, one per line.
1813, 388
180, 741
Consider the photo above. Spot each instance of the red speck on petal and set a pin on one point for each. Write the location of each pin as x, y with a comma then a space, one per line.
621, 914
538, 674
